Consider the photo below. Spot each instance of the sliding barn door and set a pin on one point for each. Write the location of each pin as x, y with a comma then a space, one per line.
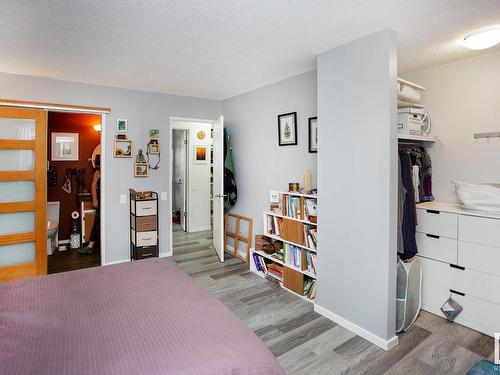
23, 193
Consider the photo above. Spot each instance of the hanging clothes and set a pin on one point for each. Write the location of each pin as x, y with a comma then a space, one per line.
230, 190
409, 222
416, 182
401, 207
426, 176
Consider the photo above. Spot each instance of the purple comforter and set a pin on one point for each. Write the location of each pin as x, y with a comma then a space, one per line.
145, 317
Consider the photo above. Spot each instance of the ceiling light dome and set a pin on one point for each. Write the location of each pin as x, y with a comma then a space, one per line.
482, 39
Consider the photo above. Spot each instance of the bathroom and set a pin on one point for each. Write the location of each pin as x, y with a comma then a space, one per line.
73, 157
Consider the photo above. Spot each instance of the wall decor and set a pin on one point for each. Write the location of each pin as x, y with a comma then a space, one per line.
122, 148
153, 148
200, 155
287, 129
64, 146
141, 170
154, 133
121, 125
201, 135
313, 134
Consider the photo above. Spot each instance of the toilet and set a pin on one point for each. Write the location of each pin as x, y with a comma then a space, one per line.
52, 226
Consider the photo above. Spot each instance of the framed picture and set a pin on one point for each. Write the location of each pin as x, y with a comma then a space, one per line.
153, 148
154, 133
141, 170
121, 125
313, 134
64, 146
200, 155
287, 129
122, 148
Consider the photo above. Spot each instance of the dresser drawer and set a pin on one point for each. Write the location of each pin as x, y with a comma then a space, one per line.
479, 257
145, 252
479, 230
144, 208
479, 285
439, 273
144, 238
439, 223
143, 223
436, 247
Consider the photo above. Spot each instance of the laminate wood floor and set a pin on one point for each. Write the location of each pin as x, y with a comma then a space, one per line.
304, 342
71, 260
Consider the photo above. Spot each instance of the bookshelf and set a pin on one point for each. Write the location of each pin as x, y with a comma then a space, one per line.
286, 252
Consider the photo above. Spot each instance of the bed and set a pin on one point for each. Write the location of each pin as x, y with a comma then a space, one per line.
144, 317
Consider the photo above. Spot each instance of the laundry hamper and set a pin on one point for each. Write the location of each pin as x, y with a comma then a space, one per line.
408, 293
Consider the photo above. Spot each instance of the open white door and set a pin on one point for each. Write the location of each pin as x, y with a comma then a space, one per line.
218, 187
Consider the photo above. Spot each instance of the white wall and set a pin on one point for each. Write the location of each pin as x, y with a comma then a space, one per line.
463, 98
260, 164
357, 186
198, 202
143, 111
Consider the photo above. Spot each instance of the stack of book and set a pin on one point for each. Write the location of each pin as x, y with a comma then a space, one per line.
293, 255
310, 209
311, 262
310, 288
310, 236
275, 225
292, 207
260, 264
275, 272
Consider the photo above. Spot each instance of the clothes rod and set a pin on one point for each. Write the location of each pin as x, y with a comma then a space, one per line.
486, 135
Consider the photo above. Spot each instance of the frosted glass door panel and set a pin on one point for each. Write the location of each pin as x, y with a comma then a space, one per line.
15, 128
17, 254
17, 222
17, 191
17, 160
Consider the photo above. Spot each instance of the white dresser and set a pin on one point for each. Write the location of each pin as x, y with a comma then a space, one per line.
460, 255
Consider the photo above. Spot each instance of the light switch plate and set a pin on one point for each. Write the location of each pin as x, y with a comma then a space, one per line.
163, 196
123, 199
274, 197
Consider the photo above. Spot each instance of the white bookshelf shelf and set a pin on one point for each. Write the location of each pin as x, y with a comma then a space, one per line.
419, 138
274, 259
278, 238
290, 218
297, 194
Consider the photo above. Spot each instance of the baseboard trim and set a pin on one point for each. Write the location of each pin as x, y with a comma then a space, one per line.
367, 335
201, 229
165, 255
116, 262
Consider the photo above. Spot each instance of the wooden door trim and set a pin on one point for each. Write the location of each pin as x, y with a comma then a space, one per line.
13, 238
17, 175
53, 106
17, 271
8, 207
41, 192
16, 144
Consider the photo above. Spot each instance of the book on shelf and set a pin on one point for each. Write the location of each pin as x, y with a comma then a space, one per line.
260, 263
275, 271
293, 255
310, 288
274, 225
310, 236
311, 262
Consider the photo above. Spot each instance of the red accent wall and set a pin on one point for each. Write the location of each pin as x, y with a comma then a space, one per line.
88, 140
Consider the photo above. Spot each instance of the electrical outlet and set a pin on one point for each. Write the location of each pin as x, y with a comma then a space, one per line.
274, 197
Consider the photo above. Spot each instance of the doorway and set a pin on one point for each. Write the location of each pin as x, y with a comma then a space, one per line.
73, 191
196, 184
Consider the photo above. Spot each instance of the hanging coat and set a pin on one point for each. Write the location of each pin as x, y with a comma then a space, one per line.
230, 190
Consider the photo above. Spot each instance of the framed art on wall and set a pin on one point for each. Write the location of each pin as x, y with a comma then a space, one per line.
64, 146
121, 125
313, 134
141, 170
200, 155
122, 148
287, 129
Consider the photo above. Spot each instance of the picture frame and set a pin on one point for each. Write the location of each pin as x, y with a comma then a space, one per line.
200, 154
313, 134
122, 148
141, 170
154, 133
287, 129
64, 146
121, 125
154, 148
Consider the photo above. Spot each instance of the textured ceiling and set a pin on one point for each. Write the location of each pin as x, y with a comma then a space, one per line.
220, 48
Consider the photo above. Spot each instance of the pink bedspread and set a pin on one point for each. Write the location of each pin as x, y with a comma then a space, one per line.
145, 317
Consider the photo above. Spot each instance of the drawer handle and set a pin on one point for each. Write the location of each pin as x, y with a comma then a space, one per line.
433, 212
457, 292
147, 254
457, 267
432, 236
147, 239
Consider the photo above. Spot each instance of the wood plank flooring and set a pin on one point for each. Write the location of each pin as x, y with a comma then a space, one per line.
71, 260
305, 342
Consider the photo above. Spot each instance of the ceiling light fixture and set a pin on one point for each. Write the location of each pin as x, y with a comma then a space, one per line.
482, 39
97, 128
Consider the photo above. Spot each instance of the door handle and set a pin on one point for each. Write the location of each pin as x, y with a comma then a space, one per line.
220, 195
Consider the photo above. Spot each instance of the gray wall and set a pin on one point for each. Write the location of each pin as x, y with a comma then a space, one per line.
260, 164
463, 98
357, 185
143, 111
